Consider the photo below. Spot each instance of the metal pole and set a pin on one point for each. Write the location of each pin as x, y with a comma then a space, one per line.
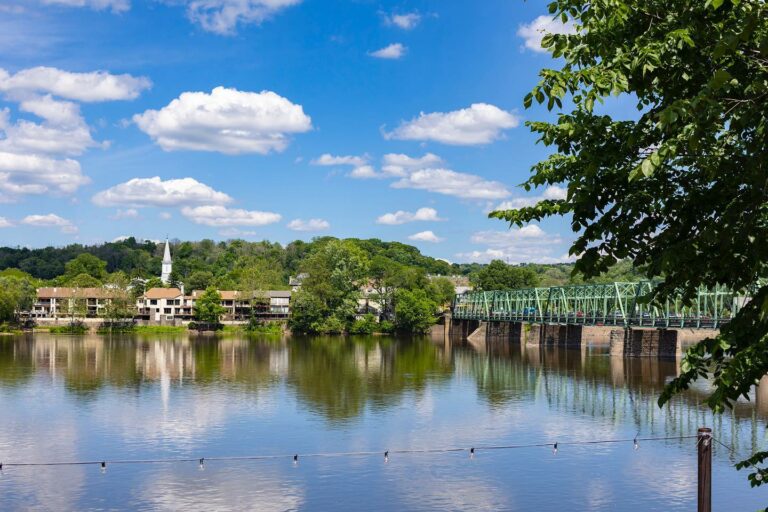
704, 444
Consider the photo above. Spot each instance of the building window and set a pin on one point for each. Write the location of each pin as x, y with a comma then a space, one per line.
153, 302
167, 311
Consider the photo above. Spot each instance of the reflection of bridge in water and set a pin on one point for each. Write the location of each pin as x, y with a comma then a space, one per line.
615, 390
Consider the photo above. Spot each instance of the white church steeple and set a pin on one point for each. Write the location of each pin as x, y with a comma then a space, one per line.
165, 276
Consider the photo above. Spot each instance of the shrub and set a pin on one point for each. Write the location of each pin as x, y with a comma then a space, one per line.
365, 325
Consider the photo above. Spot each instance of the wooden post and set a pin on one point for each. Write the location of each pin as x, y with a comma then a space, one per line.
704, 444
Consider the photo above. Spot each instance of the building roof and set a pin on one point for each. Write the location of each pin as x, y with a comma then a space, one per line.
238, 295
68, 292
162, 293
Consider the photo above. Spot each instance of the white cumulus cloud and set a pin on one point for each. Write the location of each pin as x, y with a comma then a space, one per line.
223, 16
402, 217
98, 5
399, 165
327, 159
226, 120
130, 213
529, 244
481, 123
50, 220
220, 216
392, 52
552, 192
365, 172
5, 223
309, 225
425, 236
154, 191
22, 174
533, 32
86, 87
34, 154
452, 183
405, 21
236, 233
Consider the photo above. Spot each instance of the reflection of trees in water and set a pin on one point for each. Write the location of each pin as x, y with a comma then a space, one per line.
15, 367
339, 377
618, 390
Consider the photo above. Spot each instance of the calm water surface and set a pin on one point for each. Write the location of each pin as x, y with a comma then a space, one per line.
94, 398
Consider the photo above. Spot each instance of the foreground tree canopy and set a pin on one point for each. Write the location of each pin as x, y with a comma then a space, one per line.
681, 189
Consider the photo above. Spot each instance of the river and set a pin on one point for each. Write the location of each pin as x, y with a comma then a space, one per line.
68, 398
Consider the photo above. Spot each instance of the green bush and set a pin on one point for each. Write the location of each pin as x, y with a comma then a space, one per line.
386, 327
74, 327
329, 325
256, 326
117, 327
365, 325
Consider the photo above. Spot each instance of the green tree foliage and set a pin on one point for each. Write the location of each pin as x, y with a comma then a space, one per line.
680, 188
414, 311
121, 305
17, 294
208, 308
83, 281
199, 280
441, 290
85, 264
500, 276
328, 297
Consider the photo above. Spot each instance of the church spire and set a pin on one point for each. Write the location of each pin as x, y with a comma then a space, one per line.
165, 276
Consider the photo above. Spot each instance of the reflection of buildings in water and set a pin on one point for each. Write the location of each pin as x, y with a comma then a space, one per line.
165, 360
368, 360
91, 361
63, 353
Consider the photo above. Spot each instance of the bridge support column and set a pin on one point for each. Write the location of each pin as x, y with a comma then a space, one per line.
461, 329
660, 343
531, 334
516, 332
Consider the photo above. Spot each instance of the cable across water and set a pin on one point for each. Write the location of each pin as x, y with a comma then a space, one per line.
386, 453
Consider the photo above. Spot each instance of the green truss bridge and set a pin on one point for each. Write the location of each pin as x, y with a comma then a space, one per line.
618, 304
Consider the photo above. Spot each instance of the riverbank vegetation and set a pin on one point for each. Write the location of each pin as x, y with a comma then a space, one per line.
343, 281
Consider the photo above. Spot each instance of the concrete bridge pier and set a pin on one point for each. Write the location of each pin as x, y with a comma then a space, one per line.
639, 342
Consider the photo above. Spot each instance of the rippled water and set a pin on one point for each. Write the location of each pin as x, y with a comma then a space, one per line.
94, 398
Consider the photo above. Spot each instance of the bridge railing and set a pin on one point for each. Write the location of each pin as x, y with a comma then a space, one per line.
619, 303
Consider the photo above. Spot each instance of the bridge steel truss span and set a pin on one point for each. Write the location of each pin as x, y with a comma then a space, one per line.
620, 303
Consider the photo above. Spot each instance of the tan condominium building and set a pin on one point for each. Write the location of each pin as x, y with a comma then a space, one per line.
169, 304
58, 302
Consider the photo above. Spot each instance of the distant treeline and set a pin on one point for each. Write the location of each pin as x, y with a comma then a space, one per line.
203, 263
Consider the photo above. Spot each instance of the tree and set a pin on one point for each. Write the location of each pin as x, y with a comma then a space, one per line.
208, 308
83, 281
680, 187
497, 275
441, 290
199, 280
414, 311
121, 304
17, 294
329, 294
86, 264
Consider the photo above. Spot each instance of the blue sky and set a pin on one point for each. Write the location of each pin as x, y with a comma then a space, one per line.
272, 119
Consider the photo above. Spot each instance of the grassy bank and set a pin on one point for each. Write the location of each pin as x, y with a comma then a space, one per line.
267, 328
74, 328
